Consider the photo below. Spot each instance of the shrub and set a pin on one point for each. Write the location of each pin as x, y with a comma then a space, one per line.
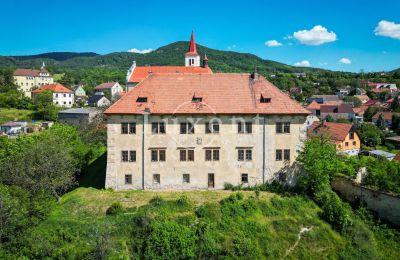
157, 201
115, 209
228, 186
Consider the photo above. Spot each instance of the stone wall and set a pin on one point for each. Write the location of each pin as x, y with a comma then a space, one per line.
386, 205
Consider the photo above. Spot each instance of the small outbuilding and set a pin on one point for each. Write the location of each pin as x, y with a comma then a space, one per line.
78, 116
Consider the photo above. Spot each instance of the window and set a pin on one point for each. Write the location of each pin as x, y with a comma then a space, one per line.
244, 127
282, 127
124, 156
212, 128
245, 178
158, 127
186, 155
352, 136
278, 156
212, 154
354, 143
141, 99
286, 155
65, 102
128, 178
65, 95
124, 128
346, 144
156, 178
196, 99
264, 99
245, 154
158, 155
132, 156
132, 128
187, 128
56, 95
186, 178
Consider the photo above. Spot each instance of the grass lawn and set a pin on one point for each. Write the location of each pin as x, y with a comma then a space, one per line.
10, 114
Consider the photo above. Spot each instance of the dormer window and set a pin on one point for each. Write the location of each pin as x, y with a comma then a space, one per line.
264, 99
197, 99
141, 99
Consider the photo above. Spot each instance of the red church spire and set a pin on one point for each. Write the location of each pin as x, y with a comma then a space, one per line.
192, 46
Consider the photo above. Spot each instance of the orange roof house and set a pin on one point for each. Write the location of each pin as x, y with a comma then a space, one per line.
347, 141
56, 88
136, 74
221, 93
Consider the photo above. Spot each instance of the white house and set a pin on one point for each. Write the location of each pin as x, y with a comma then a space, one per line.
98, 100
113, 88
13, 127
61, 95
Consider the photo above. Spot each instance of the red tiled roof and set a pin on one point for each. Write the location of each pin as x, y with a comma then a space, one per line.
221, 93
142, 72
314, 105
28, 72
362, 97
336, 131
370, 102
58, 88
386, 115
360, 109
342, 108
106, 85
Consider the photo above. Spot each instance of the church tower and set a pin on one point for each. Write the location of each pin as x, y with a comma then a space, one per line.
192, 58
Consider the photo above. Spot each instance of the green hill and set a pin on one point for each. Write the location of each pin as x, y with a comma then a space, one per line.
172, 54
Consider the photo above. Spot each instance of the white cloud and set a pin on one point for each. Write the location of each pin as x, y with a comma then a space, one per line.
388, 29
273, 43
134, 50
345, 61
316, 36
303, 63
231, 47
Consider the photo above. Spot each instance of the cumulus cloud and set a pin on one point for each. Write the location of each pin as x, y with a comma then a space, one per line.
134, 50
345, 61
388, 29
273, 43
303, 63
316, 36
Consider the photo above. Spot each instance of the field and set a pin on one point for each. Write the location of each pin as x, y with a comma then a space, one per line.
10, 114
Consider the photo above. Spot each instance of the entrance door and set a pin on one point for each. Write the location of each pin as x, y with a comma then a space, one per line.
211, 180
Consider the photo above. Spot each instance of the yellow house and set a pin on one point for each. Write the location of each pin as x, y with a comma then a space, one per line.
29, 79
346, 139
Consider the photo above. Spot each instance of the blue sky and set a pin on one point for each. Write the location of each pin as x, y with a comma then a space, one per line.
345, 29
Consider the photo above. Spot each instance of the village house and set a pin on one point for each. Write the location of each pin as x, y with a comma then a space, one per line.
136, 74
344, 91
98, 100
382, 87
110, 89
13, 127
387, 116
346, 139
78, 116
342, 111
324, 99
29, 79
199, 131
79, 91
363, 98
62, 96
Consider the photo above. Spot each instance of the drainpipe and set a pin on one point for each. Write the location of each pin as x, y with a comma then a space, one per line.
146, 113
263, 166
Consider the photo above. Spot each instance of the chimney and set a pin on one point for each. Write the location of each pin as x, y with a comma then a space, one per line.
205, 61
254, 75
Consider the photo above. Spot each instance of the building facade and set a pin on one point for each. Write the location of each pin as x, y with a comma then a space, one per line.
111, 89
201, 131
62, 96
29, 79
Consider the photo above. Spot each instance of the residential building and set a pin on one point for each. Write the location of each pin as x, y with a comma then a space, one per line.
78, 116
310, 120
383, 87
13, 127
136, 74
363, 98
29, 79
110, 89
79, 91
387, 116
199, 131
324, 99
98, 100
344, 91
342, 111
62, 96
344, 136
315, 108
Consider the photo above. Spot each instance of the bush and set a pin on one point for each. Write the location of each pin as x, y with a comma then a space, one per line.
115, 209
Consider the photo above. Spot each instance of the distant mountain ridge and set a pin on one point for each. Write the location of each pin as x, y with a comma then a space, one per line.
172, 54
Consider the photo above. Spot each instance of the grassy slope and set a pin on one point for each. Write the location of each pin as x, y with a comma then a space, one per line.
81, 214
9, 114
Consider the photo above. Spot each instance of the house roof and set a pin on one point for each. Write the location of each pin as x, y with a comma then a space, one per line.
386, 115
28, 72
141, 73
58, 88
359, 110
106, 85
342, 108
336, 131
362, 97
14, 124
221, 93
370, 102
314, 105
382, 154
81, 110
326, 97
95, 98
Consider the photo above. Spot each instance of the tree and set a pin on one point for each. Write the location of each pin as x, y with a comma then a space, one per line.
370, 135
380, 123
354, 101
329, 118
45, 106
395, 106
369, 113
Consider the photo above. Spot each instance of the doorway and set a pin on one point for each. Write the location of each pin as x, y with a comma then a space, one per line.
211, 180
